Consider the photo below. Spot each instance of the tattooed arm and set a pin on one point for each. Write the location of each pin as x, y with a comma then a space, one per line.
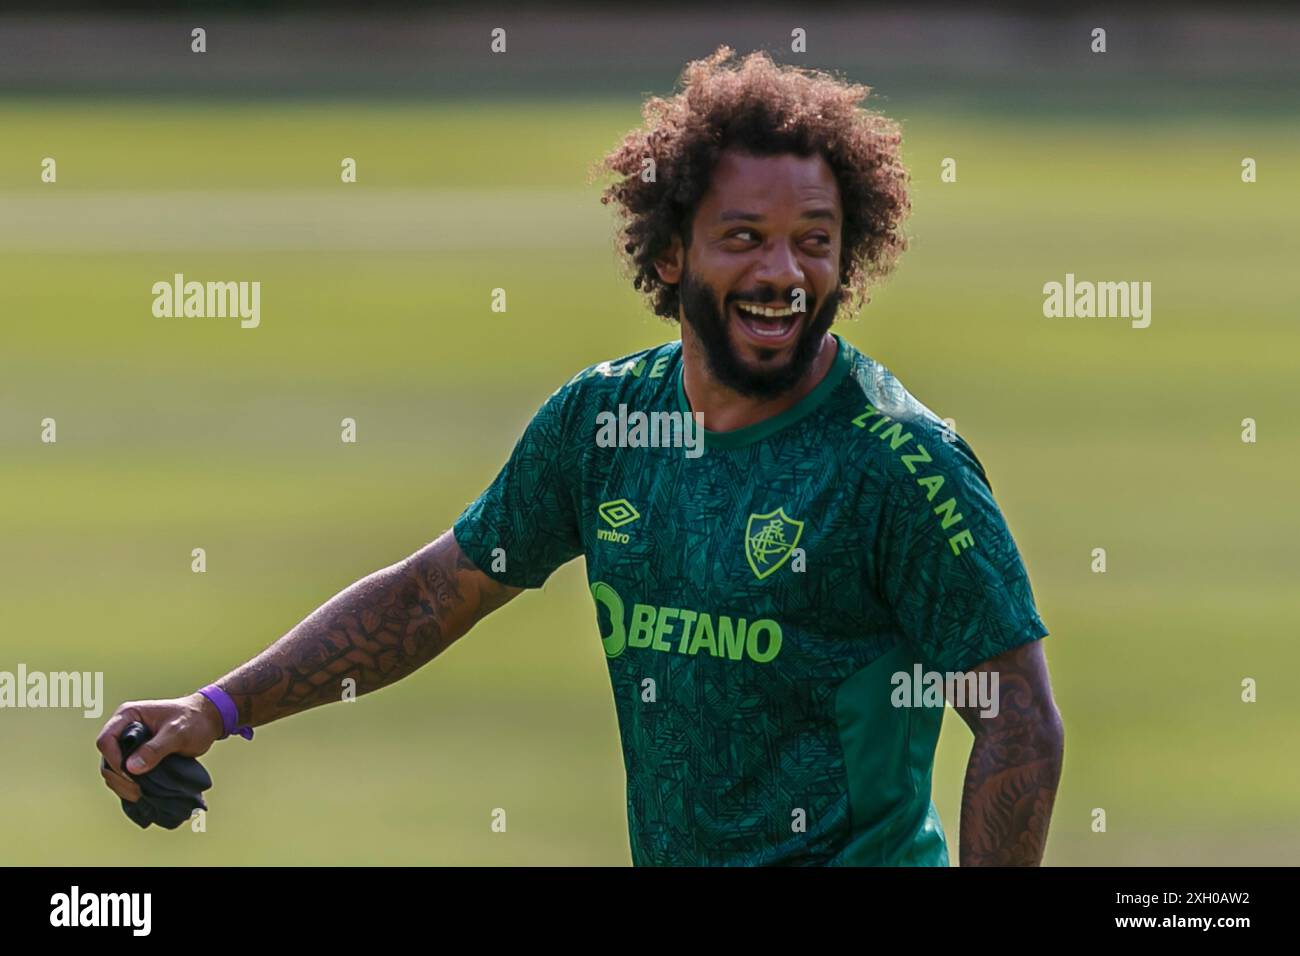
375, 631
1014, 766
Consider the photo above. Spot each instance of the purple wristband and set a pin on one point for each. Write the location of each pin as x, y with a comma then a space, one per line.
229, 715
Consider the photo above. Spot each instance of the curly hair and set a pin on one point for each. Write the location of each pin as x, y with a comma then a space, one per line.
762, 109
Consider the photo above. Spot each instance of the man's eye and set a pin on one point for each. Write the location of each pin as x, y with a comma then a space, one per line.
748, 235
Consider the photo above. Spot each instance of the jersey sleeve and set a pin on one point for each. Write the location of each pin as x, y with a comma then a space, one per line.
529, 511
947, 565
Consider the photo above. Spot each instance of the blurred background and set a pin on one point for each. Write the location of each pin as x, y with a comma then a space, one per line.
472, 174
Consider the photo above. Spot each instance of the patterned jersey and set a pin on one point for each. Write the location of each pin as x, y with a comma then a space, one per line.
765, 600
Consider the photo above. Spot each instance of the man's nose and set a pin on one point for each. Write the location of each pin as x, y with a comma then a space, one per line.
779, 267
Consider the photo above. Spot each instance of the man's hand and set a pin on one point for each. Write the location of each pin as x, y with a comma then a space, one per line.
185, 725
1015, 764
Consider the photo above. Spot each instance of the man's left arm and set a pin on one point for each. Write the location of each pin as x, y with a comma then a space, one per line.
1015, 763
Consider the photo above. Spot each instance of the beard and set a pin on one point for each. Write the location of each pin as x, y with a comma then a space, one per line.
700, 309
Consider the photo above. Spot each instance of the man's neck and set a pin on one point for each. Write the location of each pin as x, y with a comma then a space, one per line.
726, 410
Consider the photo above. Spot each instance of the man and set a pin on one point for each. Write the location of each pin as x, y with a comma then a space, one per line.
761, 604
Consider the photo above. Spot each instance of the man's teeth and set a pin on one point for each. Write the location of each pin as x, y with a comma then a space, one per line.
765, 312
766, 321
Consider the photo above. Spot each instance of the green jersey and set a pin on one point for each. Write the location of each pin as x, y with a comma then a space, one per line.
757, 601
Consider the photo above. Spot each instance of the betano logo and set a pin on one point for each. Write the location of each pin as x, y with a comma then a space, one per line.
616, 514
720, 635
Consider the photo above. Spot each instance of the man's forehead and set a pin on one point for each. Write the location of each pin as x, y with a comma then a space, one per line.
761, 181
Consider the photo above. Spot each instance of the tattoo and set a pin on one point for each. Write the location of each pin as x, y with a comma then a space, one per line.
375, 632
1014, 767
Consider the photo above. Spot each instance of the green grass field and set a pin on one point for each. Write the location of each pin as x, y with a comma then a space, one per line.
183, 433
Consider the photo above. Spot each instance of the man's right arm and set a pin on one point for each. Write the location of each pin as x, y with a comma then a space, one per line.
376, 631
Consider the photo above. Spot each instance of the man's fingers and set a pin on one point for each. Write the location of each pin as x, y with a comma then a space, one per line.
148, 754
107, 739
111, 752
124, 787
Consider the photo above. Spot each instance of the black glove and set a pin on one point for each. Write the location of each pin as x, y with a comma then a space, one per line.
170, 792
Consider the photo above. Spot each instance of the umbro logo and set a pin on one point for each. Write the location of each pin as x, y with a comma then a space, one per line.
616, 514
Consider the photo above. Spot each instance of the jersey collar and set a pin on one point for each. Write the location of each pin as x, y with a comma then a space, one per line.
740, 437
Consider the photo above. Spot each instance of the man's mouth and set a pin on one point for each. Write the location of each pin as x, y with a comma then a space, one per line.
769, 325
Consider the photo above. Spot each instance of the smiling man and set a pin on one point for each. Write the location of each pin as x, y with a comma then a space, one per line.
756, 602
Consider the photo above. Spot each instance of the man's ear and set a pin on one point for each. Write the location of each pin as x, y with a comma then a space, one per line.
669, 264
